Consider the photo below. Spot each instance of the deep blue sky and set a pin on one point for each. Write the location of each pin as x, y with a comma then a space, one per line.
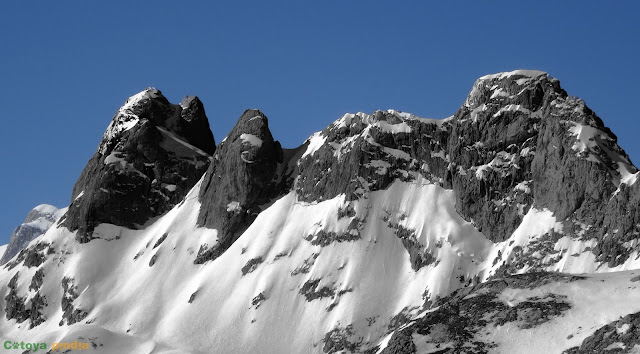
66, 67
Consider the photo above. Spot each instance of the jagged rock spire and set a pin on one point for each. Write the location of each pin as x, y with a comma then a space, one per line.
151, 155
241, 178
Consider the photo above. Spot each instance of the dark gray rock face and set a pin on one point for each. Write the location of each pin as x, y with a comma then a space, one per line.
457, 319
518, 141
361, 153
619, 336
484, 153
70, 314
617, 224
15, 304
492, 145
31, 256
18, 308
37, 222
151, 155
340, 340
242, 177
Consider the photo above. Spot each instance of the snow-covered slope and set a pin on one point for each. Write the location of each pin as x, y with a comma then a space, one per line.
383, 233
529, 313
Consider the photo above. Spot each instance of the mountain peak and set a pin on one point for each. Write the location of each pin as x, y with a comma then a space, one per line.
37, 222
150, 156
242, 177
518, 87
148, 93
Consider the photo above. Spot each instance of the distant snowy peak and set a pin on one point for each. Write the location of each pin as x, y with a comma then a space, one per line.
44, 211
37, 222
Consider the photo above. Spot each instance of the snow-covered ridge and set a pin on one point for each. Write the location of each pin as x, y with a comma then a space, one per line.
149, 92
500, 87
348, 119
318, 139
125, 118
502, 75
411, 116
46, 209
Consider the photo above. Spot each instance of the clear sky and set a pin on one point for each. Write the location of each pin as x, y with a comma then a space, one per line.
66, 67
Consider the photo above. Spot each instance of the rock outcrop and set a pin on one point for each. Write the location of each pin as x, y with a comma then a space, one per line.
241, 179
519, 140
361, 153
151, 155
456, 322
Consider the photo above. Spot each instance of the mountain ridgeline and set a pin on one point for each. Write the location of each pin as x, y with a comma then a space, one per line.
518, 140
382, 233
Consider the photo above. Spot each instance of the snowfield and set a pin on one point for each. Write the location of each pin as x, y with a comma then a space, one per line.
146, 297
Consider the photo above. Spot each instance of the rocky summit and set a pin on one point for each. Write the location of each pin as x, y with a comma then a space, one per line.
151, 155
512, 226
